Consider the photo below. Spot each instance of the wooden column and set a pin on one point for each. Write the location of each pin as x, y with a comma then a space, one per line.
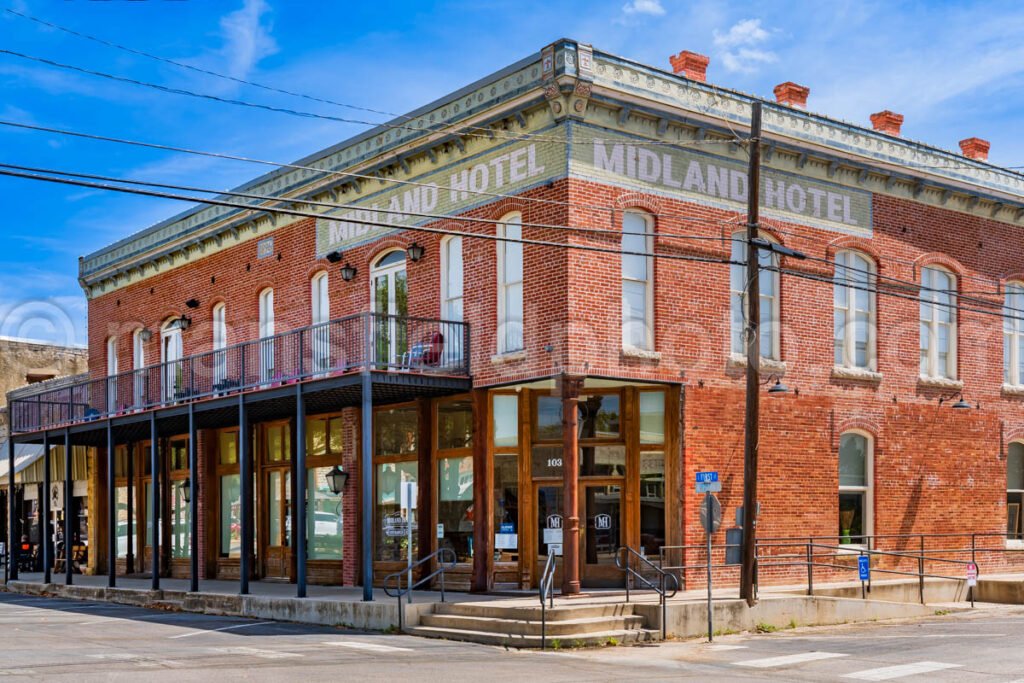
570, 389
426, 484
483, 514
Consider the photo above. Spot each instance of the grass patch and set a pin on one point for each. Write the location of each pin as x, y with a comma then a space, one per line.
612, 642
766, 628
942, 612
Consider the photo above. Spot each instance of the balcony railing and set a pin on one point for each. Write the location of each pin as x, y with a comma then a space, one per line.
365, 341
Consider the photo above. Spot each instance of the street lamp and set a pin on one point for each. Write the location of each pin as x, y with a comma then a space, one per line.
336, 479
186, 490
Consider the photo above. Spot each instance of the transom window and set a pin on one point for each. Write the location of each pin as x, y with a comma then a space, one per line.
769, 290
855, 483
938, 323
1013, 333
637, 268
854, 304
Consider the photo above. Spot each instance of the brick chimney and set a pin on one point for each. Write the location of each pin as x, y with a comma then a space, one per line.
975, 148
792, 94
887, 122
691, 65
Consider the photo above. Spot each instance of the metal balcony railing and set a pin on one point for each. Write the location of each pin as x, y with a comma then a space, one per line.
364, 341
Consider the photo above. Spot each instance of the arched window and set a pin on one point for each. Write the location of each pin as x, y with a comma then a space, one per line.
451, 279
390, 292
510, 284
266, 324
1013, 334
220, 343
938, 323
856, 474
111, 374
771, 342
171, 353
321, 315
138, 363
854, 306
637, 287
1015, 491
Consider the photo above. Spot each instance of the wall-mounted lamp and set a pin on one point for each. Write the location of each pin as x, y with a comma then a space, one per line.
415, 251
192, 303
778, 388
336, 479
145, 334
182, 323
348, 272
960, 404
334, 257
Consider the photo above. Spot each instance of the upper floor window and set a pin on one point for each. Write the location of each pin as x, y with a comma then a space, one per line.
267, 313
938, 323
138, 363
220, 342
855, 480
111, 371
451, 279
854, 304
637, 291
771, 343
320, 339
510, 285
1013, 334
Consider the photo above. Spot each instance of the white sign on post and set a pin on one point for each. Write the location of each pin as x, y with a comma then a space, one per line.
408, 493
972, 575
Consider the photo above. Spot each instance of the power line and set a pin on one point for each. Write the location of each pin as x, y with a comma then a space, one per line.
490, 134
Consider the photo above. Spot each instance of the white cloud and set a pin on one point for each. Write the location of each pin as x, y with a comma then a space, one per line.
651, 7
247, 38
739, 46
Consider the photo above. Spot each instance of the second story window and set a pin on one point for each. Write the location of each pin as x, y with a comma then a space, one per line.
771, 343
111, 372
266, 334
938, 323
451, 279
220, 342
637, 269
854, 305
510, 285
138, 363
1013, 334
321, 315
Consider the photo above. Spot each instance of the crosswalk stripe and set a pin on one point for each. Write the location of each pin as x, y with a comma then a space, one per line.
715, 647
887, 673
371, 647
786, 660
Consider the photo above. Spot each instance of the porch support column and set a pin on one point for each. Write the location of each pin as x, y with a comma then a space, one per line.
193, 496
111, 511
427, 483
69, 485
154, 467
483, 515
299, 525
129, 563
13, 540
570, 387
366, 473
47, 528
245, 474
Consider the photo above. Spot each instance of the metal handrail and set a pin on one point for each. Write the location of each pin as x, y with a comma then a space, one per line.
660, 588
442, 566
546, 592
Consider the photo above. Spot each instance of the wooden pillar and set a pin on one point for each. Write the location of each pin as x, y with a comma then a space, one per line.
426, 483
483, 514
570, 389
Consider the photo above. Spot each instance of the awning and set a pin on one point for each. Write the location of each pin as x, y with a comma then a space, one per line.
28, 463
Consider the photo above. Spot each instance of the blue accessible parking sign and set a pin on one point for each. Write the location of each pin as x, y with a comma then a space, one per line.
864, 567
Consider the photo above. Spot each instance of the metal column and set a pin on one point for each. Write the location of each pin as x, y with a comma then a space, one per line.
193, 479
154, 536
13, 541
245, 474
69, 485
366, 470
130, 556
299, 524
47, 527
111, 511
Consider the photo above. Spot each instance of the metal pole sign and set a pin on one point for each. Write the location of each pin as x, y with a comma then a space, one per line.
972, 580
711, 520
707, 482
864, 570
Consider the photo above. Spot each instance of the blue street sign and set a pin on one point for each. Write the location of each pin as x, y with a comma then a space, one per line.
709, 486
864, 567
706, 477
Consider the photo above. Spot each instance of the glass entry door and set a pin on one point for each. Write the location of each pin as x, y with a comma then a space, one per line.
602, 521
550, 497
390, 302
277, 555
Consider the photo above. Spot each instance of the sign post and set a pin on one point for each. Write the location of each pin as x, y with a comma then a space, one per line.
409, 504
711, 520
864, 570
972, 580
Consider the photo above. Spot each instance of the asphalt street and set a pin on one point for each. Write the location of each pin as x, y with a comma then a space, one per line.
51, 639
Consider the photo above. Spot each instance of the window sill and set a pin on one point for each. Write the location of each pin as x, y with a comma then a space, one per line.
850, 548
640, 354
508, 357
858, 374
768, 365
1014, 544
941, 382
1013, 389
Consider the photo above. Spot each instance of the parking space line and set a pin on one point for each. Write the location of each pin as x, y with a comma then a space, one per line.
370, 647
786, 660
222, 628
888, 673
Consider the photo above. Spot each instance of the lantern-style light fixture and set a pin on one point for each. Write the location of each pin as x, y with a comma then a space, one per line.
186, 490
415, 251
145, 334
336, 479
348, 272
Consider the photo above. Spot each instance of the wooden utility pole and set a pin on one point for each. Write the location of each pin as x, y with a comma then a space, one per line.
753, 340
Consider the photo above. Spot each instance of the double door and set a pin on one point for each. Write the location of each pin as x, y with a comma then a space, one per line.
602, 529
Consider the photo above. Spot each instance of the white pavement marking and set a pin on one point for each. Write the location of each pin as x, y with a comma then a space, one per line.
714, 647
372, 647
786, 660
888, 673
222, 628
254, 652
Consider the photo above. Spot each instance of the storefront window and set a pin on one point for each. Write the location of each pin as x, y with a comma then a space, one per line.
1014, 491
122, 521
546, 461
179, 455
506, 507
179, 522
598, 416
231, 515
455, 505
506, 420
395, 431
652, 417
854, 488
323, 435
279, 446
228, 448
652, 501
603, 461
455, 424
549, 418
392, 539
323, 518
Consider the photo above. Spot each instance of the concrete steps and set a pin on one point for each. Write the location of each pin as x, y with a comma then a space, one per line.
520, 627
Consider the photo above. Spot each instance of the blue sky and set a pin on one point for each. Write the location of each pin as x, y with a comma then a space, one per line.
954, 69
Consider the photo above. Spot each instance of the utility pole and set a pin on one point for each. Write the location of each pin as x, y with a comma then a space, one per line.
753, 340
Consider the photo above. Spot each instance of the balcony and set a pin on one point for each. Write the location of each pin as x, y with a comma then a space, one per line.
398, 350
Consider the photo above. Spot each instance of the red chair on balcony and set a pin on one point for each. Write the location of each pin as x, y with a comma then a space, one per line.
426, 353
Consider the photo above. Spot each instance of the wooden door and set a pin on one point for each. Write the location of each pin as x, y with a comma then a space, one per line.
277, 524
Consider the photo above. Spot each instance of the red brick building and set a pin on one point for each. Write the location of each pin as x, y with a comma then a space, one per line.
558, 240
